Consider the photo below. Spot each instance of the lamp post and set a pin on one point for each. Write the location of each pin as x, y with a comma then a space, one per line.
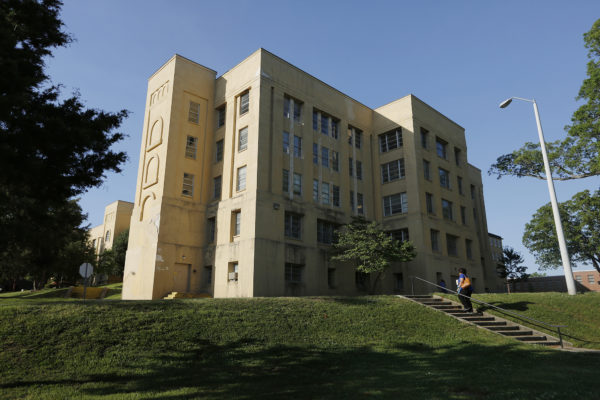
564, 254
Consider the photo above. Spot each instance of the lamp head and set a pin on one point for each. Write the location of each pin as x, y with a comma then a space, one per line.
506, 102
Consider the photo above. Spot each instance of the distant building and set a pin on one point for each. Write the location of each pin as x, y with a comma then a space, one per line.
590, 279
117, 217
244, 178
558, 283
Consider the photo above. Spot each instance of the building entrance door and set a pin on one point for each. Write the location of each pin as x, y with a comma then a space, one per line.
182, 276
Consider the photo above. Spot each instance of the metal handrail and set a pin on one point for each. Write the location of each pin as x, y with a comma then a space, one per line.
493, 306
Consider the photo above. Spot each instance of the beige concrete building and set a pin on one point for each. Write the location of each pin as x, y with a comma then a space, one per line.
243, 178
117, 216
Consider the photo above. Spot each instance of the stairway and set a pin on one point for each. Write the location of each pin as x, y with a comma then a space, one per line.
487, 321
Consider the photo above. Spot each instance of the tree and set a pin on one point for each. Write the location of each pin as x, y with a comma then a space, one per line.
538, 275
112, 261
581, 224
51, 149
512, 269
578, 155
370, 249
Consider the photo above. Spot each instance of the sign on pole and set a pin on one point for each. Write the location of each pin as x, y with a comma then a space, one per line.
85, 270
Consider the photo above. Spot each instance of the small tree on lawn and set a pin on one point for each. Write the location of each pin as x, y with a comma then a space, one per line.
370, 249
512, 269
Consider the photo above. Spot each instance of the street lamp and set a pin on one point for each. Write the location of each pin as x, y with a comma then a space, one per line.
564, 254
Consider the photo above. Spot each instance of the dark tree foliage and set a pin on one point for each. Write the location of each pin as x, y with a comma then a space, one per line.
512, 265
578, 155
112, 261
51, 149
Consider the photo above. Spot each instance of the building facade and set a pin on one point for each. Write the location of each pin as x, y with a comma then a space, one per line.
243, 179
117, 216
589, 279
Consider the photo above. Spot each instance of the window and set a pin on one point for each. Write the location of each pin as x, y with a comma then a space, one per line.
358, 169
325, 193
188, 184
191, 144
244, 102
194, 113
315, 120
444, 178
217, 181
286, 142
579, 278
390, 140
429, 203
324, 124
325, 157
447, 209
208, 275
475, 215
336, 195
335, 128
297, 146
243, 139
236, 220
350, 166
315, 154
241, 178
292, 105
473, 192
285, 186
352, 200
590, 278
233, 271
361, 279
426, 170
392, 171
400, 235
212, 229
297, 184
435, 240
424, 137
316, 190
395, 204
357, 138
335, 160
221, 116
360, 203
457, 156
451, 244
463, 215
441, 148
107, 237
219, 151
293, 273
398, 282
469, 248
325, 231
331, 278
293, 225
460, 185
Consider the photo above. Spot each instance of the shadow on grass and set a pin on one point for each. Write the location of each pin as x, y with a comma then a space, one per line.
517, 306
247, 369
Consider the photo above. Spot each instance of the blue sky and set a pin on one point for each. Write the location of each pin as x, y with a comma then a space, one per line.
461, 57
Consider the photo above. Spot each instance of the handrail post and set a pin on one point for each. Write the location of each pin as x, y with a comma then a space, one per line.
560, 337
412, 284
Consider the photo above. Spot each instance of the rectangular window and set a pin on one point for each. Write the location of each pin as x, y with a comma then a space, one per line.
241, 178
324, 124
350, 166
315, 154
360, 204
426, 170
424, 137
293, 223
325, 231
188, 184
447, 210
315, 120
473, 192
429, 203
208, 275
286, 142
398, 282
297, 146
293, 273
325, 157
335, 128
435, 240
451, 245
352, 200
358, 169
236, 219
590, 278
212, 229
232, 271
361, 279
392, 171
217, 187
444, 178
390, 140
244, 102
335, 160
243, 139
191, 144
288, 109
325, 193
357, 138
194, 113
460, 185
579, 278
469, 248
285, 184
221, 116
336, 195
400, 235
475, 219
219, 151
457, 156
297, 184
395, 204
316, 190
463, 215
441, 147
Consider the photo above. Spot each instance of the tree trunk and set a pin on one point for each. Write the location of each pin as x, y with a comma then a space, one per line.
374, 285
595, 263
508, 287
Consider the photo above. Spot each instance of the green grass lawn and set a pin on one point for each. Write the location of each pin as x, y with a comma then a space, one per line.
270, 348
580, 313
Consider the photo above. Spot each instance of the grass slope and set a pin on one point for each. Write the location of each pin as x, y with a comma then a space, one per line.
579, 313
271, 348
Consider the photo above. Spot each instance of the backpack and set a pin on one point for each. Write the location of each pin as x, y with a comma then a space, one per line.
466, 283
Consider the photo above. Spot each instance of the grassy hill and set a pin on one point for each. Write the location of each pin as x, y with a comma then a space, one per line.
270, 348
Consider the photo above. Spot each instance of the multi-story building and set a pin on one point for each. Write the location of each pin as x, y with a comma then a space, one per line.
117, 216
243, 179
589, 279
496, 248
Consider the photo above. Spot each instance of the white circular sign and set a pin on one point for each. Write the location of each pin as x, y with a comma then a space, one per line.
86, 270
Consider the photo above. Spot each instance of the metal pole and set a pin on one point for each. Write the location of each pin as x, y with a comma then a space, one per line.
560, 338
564, 254
85, 282
412, 284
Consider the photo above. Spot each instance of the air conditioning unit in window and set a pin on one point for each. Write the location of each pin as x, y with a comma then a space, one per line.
233, 276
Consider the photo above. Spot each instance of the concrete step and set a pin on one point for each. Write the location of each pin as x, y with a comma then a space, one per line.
435, 302
478, 319
460, 313
531, 338
490, 323
546, 343
445, 307
419, 296
499, 329
515, 333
